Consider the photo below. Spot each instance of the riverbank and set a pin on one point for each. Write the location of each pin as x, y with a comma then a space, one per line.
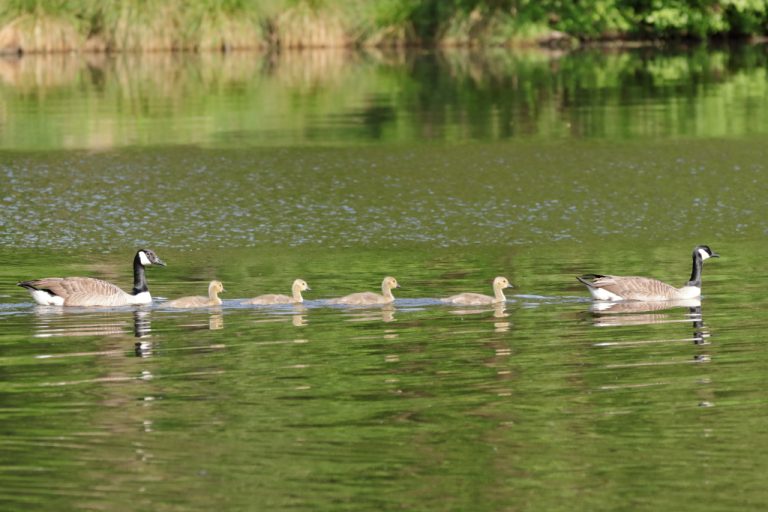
201, 25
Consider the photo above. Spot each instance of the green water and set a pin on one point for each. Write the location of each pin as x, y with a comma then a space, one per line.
443, 171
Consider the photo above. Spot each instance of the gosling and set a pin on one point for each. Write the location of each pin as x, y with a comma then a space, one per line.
478, 299
299, 285
214, 288
368, 298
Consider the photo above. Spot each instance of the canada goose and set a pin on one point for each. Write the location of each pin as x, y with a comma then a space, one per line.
299, 285
614, 288
214, 288
87, 291
363, 298
478, 299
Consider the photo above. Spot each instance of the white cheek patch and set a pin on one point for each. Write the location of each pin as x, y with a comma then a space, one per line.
143, 258
704, 255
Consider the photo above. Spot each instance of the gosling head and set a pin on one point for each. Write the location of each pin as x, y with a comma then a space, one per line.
301, 285
216, 287
389, 283
501, 282
704, 252
148, 257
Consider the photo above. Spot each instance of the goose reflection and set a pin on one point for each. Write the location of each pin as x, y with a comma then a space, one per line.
499, 310
634, 313
60, 322
637, 313
296, 313
385, 313
212, 320
613, 314
299, 317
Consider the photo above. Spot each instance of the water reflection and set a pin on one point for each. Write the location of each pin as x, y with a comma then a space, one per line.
383, 313
341, 96
59, 322
608, 314
632, 315
499, 312
299, 317
636, 313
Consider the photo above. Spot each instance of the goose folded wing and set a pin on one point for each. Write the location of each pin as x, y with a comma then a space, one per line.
635, 287
77, 288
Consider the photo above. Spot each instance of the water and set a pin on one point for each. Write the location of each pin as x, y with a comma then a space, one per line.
545, 404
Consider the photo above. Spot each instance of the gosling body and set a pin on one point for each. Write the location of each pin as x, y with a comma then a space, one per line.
214, 288
299, 285
89, 291
479, 299
369, 298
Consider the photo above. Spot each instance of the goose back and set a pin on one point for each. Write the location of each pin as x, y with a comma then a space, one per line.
80, 291
633, 288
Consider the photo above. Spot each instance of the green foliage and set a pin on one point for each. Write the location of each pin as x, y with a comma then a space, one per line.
143, 24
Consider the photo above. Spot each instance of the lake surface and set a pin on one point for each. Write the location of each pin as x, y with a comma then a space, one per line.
442, 170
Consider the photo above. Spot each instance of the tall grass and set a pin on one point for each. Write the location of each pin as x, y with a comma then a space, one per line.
223, 25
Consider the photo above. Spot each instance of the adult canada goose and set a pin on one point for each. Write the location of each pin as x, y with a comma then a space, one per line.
646, 289
87, 291
364, 298
214, 288
299, 285
478, 299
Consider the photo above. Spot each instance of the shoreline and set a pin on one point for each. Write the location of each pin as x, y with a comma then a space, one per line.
79, 27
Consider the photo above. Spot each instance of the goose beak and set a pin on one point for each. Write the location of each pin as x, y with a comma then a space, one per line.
714, 255
158, 261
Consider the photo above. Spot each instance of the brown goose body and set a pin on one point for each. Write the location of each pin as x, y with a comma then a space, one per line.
89, 291
635, 288
616, 288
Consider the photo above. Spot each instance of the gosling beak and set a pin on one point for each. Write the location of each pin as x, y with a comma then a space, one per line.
309, 289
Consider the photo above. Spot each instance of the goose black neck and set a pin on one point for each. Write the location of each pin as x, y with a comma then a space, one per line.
139, 279
696, 271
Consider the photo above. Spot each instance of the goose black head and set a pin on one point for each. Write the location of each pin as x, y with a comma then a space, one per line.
148, 257
704, 252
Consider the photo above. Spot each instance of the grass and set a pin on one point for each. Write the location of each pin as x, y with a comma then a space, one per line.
223, 25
